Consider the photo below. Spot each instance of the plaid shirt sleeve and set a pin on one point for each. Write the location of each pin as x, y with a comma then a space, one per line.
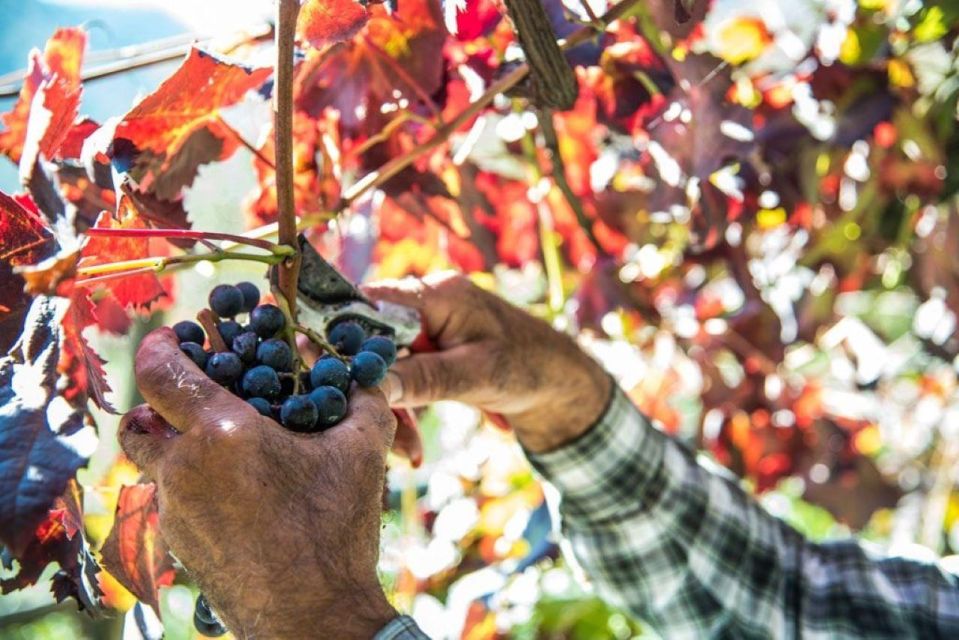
401, 628
685, 549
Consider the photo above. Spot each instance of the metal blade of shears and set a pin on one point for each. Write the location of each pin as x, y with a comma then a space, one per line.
326, 298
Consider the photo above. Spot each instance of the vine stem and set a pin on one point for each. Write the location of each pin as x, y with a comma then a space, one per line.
188, 233
288, 271
159, 263
287, 13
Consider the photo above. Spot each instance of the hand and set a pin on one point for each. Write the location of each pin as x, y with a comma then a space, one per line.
280, 529
498, 358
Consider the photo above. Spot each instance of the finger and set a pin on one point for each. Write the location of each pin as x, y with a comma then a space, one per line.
145, 437
369, 417
407, 442
179, 391
435, 297
429, 377
407, 292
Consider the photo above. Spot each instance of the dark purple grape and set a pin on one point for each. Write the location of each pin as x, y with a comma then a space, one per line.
196, 353
226, 300
187, 331
261, 405
229, 330
329, 371
346, 337
368, 369
266, 320
275, 353
261, 382
298, 413
244, 345
251, 295
381, 346
330, 405
224, 368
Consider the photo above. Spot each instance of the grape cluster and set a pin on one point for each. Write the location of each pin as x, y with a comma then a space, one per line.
259, 364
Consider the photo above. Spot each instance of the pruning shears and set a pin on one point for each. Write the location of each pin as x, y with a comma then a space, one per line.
326, 298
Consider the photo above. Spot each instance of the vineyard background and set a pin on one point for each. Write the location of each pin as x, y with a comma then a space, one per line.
768, 265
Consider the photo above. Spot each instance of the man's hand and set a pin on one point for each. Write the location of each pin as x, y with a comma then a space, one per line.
498, 358
280, 529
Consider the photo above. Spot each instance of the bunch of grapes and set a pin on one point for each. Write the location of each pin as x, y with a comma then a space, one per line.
258, 363
255, 362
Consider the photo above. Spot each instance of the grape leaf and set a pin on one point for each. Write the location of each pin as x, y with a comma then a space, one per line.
59, 538
325, 22
44, 438
51, 120
163, 214
80, 365
72, 145
398, 54
26, 240
55, 76
134, 552
178, 127
139, 290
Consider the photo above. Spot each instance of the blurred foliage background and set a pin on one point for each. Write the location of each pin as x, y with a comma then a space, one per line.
773, 277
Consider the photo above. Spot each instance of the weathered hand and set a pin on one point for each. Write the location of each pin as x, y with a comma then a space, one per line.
280, 529
498, 358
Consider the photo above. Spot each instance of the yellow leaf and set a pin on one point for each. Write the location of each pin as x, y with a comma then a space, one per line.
742, 39
851, 49
770, 218
900, 75
868, 441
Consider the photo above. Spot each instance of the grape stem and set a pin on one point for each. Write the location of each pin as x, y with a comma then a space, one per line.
161, 263
318, 340
289, 333
208, 321
191, 235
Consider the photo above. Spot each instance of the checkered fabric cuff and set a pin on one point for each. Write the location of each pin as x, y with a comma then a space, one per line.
401, 628
614, 466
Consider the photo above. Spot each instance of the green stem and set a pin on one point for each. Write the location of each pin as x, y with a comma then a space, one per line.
318, 340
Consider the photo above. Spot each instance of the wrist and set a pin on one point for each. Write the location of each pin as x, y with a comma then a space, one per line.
570, 408
356, 612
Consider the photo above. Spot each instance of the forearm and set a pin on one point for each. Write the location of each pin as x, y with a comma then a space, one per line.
684, 548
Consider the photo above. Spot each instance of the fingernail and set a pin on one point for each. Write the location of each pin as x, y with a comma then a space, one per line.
393, 386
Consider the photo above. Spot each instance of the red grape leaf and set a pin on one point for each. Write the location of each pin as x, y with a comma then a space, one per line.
55, 107
316, 185
470, 20
72, 144
44, 438
59, 538
324, 22
136, 290
80, 365
163, 214
26, 240
134, 552
55, 72
178, 127
398, 54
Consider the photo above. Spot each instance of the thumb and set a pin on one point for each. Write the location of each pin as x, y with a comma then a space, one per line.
423, 378
179, 391
145, 437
